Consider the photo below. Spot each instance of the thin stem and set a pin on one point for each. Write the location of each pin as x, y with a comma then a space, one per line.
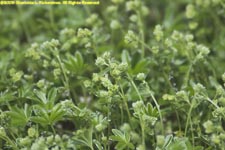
187, 76
178, 120
141, 27
142, 132
188, 118
125, 101
135, 87
160, 114
53, 130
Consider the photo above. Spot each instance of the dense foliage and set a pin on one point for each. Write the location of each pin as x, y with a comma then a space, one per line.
137, 74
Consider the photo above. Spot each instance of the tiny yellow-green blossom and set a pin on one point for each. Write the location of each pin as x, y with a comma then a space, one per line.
158, 33
209, 127
2, 131
215, 139
190, 11
83, 32
92, 19
133, 18
168, 97
87, 83
17, 76
223, 77
100, 61
160, 140
32, 132
131, 38
141, 76
111, 9
193, 25
41, 83
114, 24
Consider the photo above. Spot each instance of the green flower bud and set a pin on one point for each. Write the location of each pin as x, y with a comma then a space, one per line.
41, 83
158, 33
155, 49
223, 77
57, 138
123, 66
182, 96
103, 94
125, 127
50, 140
138, 107
209, 127
67, 32
198, 88
56, 72
111, 9
83, 33
203, 50
33, 52
45, 63
92, 19
113, 88
168, 97
190, 11
168, 42
25, 141
222, 136
100, 61
189, 37
114, 24
144, 10
104, 139
133, 18
140, 147
87, 83
106, 55
130, 37
17, 76
106, 82
2, 131
193, 25
219, 112
116, 72
113, 65
95, 77
160, 140
176, 36
99, 127
31, 132
215, 139
88, 45
141, 76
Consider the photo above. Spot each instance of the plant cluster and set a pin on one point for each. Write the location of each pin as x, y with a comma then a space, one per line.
123, 75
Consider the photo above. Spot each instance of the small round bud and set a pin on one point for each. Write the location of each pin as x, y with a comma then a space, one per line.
209, 127
83, 33
158, 32
100, 61
190, 11
50, 139
87, 83
141, 76
114, 24
31, 132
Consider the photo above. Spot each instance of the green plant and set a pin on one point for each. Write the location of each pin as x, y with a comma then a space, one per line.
123, 75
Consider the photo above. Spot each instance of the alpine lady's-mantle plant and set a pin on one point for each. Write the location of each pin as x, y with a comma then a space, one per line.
124, 75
